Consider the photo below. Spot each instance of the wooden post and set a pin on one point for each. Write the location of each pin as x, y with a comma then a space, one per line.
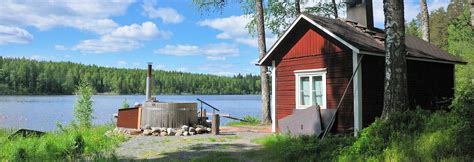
215, 124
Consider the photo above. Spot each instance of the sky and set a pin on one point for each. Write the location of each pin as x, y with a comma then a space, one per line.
173, 34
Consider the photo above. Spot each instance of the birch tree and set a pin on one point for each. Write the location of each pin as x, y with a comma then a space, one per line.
395, 86
425, 21
266, 116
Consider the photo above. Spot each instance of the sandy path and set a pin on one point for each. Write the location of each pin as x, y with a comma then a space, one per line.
235, 142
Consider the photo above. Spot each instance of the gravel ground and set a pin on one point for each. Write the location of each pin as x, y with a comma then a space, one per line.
233, 142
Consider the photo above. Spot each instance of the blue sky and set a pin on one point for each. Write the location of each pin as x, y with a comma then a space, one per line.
173, 35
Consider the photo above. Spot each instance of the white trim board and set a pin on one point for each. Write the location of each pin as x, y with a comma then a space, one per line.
273, 103
302, 16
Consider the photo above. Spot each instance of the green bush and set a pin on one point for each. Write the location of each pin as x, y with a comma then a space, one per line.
416, 135
70, 143
248, 121
125, 104
83, 108
303, 148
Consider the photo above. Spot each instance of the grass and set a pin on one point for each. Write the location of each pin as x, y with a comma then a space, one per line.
249, 121
415, 135
70, 142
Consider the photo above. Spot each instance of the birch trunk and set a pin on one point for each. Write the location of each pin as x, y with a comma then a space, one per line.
395, 88
334, 7
266, 116
297, 7
425, 21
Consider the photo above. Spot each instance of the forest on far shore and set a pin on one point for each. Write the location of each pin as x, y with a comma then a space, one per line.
20, 76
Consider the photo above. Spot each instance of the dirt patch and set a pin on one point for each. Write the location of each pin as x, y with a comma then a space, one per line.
234, 143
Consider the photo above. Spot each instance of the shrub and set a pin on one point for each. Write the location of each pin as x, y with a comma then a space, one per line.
248, 120
303, 148
72, 143
125, 104
83, 108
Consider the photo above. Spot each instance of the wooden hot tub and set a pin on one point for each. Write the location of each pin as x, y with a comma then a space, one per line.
168, 114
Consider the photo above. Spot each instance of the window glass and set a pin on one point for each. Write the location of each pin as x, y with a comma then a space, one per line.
317, 90
305, 93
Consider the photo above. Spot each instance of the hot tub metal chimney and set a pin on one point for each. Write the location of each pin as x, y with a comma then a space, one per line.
149, 83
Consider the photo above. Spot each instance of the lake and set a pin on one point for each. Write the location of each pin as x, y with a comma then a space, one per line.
42, 112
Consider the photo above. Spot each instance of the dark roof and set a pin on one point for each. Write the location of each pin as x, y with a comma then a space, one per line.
373, 40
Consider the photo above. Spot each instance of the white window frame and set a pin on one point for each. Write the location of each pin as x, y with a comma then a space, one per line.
309, 73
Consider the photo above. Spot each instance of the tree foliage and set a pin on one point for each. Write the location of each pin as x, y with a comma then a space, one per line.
83, 108
23, 76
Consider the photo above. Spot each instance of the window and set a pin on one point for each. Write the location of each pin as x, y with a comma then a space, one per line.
310, 88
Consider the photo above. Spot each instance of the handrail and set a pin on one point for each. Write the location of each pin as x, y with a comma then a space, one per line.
203, 102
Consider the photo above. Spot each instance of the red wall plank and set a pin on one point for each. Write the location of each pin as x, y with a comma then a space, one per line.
313, 51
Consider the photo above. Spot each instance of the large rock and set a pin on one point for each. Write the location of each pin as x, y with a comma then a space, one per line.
163, 134
155, 133
200, 130
179, 132
185, 133
192, 133
147, 126
208, 130
162, 129
155, 129
134, 131
192, 129
171, 131
147, 132
185, 128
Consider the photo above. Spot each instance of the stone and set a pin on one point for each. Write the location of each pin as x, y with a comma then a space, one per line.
200, 130
155, 129
192, 129
192, 133
163, 134
208, 130
116, 130
134, 131
185, 133
200, 126
155, 133
146, 127
185, 128
147, 132
162, 129
171, 131
109, 133
179, 132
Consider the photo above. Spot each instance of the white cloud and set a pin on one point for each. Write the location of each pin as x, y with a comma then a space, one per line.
14, 35
87, 15
147, 30
107, 45
233, 28
125, 38
412, 8
223, 69
121, 63
166, 14
212, 51
60, 47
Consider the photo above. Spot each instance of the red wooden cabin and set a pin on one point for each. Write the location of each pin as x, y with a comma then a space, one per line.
313, 61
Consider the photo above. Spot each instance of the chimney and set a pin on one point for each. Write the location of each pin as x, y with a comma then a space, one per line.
361, 12
149, 83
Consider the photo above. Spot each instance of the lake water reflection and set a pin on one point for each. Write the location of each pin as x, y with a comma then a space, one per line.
42, 112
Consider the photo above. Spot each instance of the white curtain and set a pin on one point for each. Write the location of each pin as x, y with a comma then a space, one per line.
305, 93
317, 90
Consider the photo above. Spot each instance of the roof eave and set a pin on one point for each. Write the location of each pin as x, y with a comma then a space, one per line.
265, 62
